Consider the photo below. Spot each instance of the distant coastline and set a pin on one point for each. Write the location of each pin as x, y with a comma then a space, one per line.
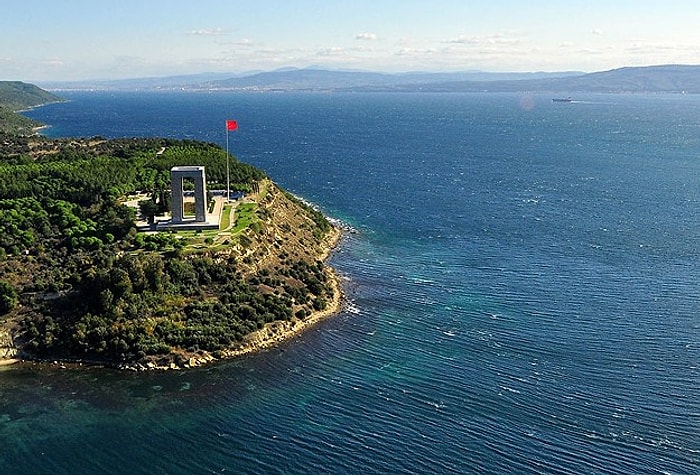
667, 78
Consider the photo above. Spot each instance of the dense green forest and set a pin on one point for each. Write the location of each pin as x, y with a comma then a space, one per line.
77, 282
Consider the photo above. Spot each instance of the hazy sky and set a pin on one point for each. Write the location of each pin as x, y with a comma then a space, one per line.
94, 39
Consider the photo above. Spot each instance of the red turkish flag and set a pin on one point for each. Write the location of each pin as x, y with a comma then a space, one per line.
231, 125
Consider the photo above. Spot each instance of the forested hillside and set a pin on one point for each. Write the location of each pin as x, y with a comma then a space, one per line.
77, 282
14, 96
14, 123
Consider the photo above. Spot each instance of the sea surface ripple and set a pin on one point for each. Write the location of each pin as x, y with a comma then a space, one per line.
521, 296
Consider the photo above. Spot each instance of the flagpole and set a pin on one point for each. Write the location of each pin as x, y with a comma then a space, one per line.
228, 177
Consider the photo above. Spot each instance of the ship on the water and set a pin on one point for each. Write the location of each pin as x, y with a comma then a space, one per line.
562, 99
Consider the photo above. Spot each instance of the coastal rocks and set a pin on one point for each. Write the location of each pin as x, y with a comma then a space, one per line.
7, 346
199, 360
166, 364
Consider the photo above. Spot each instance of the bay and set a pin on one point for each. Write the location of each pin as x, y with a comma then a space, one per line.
522, 295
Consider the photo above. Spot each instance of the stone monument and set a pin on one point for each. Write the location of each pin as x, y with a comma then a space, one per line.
196, 173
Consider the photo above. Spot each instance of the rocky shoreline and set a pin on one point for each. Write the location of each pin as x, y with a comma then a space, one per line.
8, 351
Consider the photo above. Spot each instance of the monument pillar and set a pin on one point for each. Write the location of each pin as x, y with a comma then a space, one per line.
177, 174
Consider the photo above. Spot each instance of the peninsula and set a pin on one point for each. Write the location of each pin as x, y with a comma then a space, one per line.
80, 284
15, 96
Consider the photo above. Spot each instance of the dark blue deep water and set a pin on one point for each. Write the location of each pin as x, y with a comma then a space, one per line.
523, 295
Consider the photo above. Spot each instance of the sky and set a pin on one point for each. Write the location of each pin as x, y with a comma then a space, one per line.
66, 40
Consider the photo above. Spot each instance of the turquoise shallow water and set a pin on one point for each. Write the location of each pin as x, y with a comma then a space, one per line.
522, 289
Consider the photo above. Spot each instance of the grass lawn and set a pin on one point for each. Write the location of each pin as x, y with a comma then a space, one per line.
245, 214
234, 220
225, 218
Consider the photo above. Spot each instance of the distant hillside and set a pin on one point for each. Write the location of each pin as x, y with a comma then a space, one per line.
137, 84
15, 96
16, 124
325, 80
651, 79
666, 78
294, 79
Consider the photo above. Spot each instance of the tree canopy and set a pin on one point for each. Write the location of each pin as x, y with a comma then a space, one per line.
78, 282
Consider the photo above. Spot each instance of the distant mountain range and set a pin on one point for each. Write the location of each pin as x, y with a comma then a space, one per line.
651, 79
294, 79
324, 80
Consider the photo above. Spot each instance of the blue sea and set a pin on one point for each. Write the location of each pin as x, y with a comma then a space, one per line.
522, 286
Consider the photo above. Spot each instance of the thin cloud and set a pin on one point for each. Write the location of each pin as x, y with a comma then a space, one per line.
53, 62
367, 36
594, 51
363, 49
651, 47
239, 43
208, 32
486, 40
332, 52
244, 42
416, 52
